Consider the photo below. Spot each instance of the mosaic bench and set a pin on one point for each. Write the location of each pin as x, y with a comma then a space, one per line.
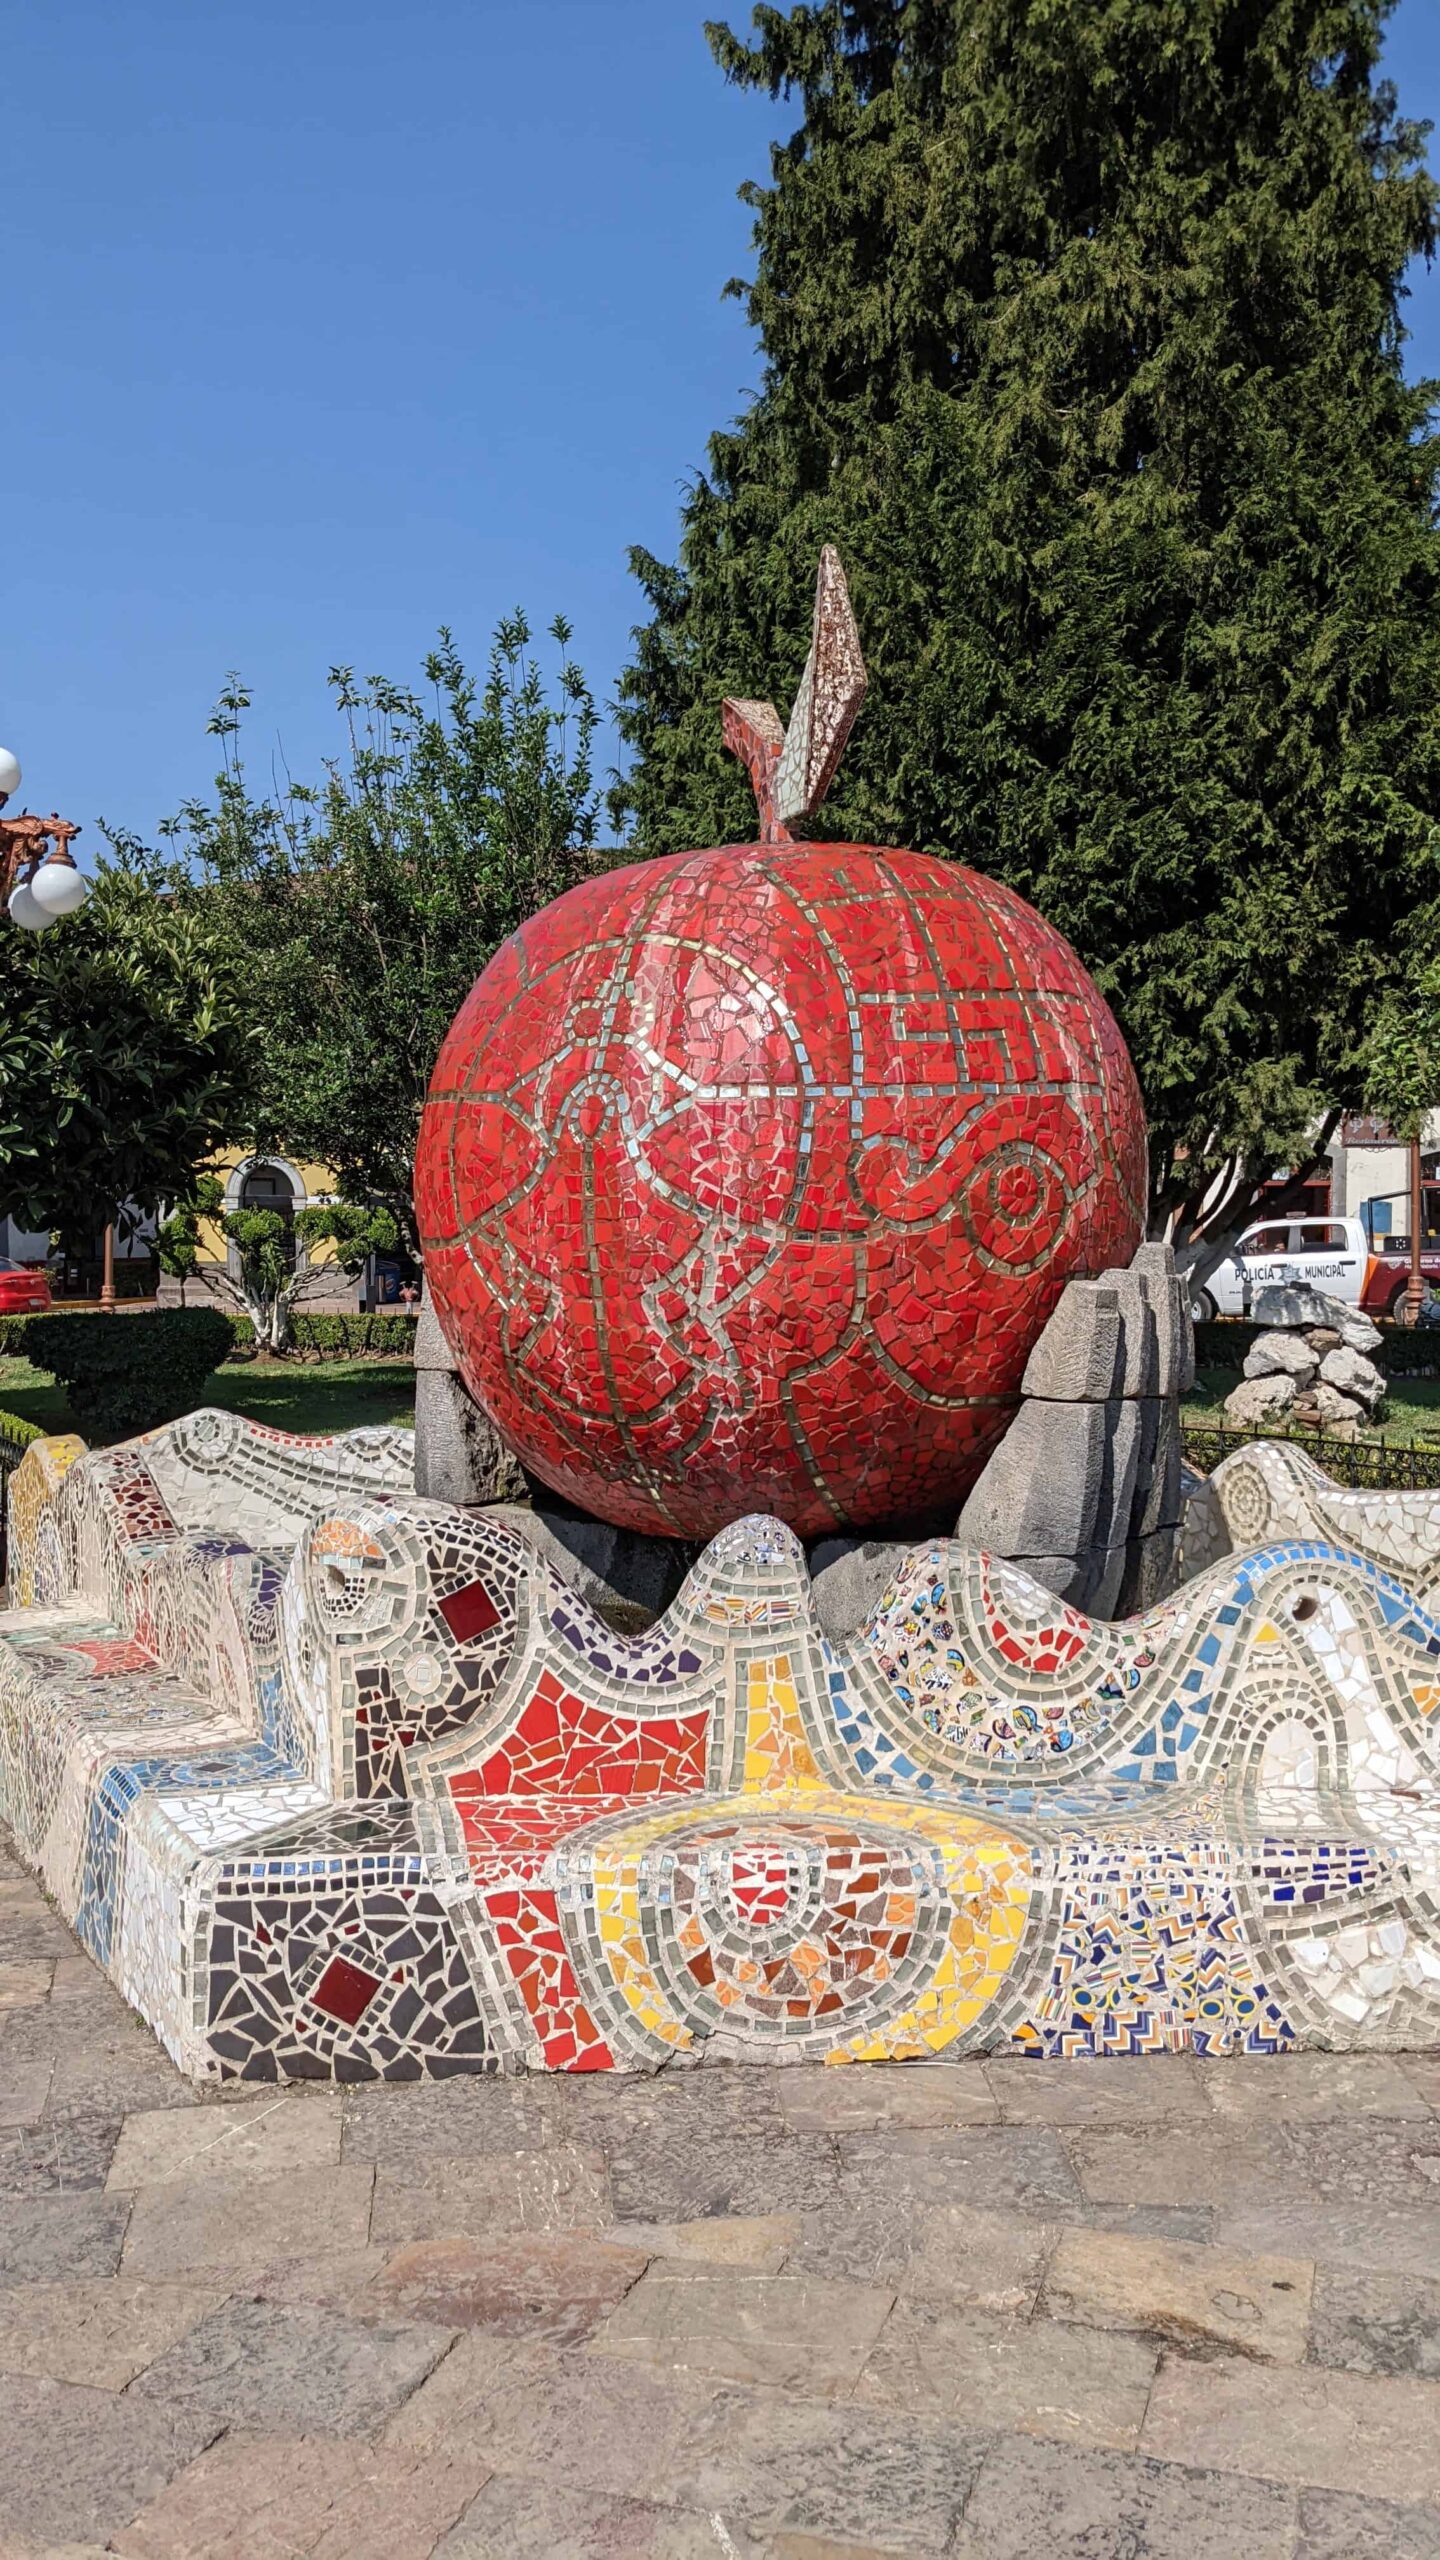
336, 1782
1273, 1489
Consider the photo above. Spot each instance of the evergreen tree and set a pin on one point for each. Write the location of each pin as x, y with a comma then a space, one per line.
1083, 341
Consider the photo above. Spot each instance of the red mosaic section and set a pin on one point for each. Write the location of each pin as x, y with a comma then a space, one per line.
561, 1746
527, 1930
107, 1654
748, 1179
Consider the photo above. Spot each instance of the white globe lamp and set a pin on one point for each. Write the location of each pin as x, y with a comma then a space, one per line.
25, 910
59, 888
9, 774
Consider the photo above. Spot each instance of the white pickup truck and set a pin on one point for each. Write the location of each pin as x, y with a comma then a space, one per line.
1335, 1255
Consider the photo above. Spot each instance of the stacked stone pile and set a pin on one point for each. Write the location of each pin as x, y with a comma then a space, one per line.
1311, 1366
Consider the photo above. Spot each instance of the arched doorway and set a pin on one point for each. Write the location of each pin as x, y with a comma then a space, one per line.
263, 1184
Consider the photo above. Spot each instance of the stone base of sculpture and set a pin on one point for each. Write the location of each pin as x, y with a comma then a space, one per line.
337, 1782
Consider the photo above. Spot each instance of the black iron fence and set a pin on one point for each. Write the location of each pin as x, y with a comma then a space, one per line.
1379, 1466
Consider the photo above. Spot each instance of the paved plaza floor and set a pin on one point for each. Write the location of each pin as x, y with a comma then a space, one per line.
1140, 2310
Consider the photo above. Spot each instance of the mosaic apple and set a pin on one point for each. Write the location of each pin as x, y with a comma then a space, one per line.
748, 1178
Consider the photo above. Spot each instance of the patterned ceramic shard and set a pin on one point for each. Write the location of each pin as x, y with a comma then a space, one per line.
335, 1783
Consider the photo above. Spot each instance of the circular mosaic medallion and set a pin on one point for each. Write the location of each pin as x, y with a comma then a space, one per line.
809, 1930
1247, 1503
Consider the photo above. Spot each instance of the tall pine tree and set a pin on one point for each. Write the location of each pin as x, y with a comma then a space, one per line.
1083, 341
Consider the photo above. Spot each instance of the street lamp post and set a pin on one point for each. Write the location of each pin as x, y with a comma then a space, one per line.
38, 878
39, 883
1415, 1285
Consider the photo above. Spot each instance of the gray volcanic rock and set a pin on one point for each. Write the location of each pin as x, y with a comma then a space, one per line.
1260, 1399
1279, 1354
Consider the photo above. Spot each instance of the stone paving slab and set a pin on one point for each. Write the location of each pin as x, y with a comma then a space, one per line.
797, 2332
24, 1986
261, 2364
315, 2498
1341, 2527
1192, 2296
555, 2188
1141, 2310
1038, 2501
45, 2239
232, 2231
556, 2287
266, 2136
76, 2464
1338, 2430
59, 2155
101, 2334
1014, 2376
1373, 2320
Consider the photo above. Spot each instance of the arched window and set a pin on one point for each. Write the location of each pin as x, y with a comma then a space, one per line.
265, 1185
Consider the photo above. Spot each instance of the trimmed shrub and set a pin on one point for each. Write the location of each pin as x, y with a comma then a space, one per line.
353, 1337
16, 1435
12, 1337
336, 1337
123, 1374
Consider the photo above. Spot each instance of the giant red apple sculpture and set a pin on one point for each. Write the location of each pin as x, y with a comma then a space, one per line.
748, 1178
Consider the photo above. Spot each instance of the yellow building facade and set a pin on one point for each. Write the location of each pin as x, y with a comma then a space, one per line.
286, 1184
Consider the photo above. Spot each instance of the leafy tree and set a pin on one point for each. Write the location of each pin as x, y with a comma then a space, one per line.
128, 1049
272, 1280
1083, 340
355, 1231
1404, 1082
363, 909
177, 1238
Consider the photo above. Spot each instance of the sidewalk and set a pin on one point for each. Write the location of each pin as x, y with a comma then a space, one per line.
1153, 2310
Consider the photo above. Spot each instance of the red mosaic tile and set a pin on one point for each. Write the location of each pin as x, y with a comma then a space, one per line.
469, 1613
344, 1991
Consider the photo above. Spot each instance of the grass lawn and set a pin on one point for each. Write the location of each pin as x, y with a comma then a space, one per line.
290, 1395
1412, 1407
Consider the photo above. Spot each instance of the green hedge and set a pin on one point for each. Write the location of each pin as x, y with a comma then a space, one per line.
353, 1337
123, 1374
1400, 1353
339, 1337
16, 1435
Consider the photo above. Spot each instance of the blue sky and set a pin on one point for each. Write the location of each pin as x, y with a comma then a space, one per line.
327, 323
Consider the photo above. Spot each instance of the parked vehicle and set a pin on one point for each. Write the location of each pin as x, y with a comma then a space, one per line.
1333, 1255
24, 1291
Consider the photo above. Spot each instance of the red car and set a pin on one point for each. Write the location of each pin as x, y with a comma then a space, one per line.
23, 1292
